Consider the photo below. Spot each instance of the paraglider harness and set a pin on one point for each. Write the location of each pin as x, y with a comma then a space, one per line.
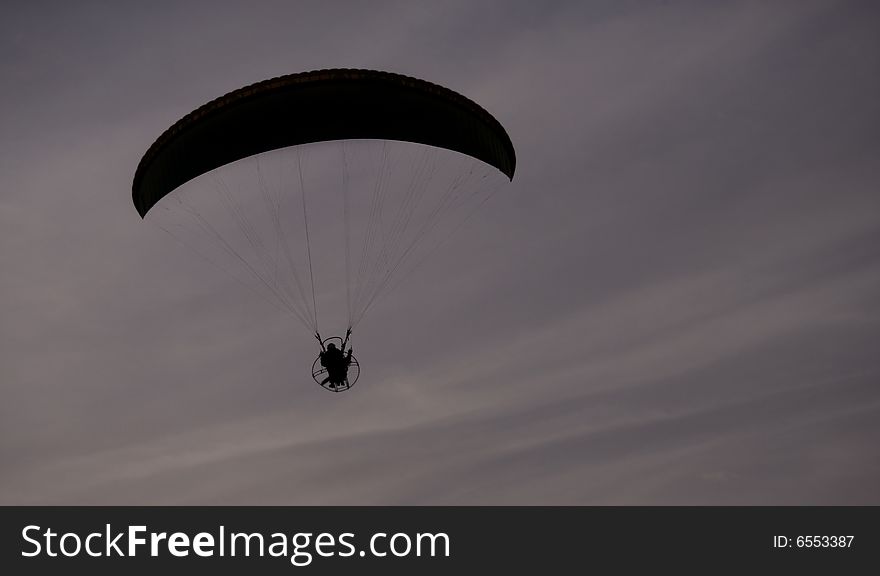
335, 369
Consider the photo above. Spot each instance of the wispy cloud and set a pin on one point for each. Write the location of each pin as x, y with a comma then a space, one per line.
675, 301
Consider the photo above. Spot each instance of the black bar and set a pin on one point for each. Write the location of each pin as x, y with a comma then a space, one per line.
551, 540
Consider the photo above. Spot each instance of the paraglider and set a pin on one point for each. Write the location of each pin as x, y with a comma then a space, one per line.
335, 364
393, 164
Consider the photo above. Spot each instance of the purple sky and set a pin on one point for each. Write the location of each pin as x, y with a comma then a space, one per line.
677, 301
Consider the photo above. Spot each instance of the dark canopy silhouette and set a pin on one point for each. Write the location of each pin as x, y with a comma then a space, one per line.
403, 160
317, 106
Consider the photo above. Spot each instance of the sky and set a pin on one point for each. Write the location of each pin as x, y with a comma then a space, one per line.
676, 300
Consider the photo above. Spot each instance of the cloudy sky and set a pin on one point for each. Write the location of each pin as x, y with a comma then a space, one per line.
677, 301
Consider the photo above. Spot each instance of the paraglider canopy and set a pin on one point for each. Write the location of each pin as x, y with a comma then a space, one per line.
309, 107
387, 166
